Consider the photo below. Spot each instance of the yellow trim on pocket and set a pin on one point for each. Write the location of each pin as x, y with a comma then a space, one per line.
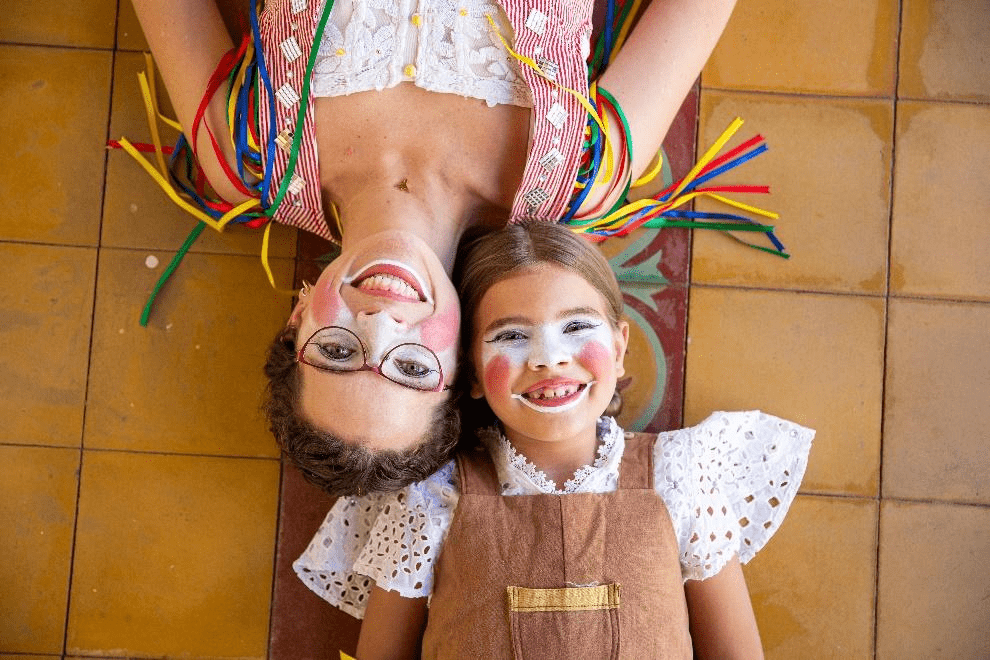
565, 599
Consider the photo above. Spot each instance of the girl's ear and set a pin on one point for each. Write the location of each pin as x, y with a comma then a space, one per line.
477, 392
621, 343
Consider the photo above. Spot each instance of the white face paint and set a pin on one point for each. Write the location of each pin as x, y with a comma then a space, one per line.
544, 344
394, 276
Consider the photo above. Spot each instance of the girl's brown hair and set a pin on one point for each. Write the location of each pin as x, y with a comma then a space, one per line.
488, 259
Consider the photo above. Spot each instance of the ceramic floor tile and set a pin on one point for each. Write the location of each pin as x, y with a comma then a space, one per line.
192, 380
934, 585
46, 313
938, 242
944, 51
37, 506
845, 48
828, 169
173, 555
53, 105
304, 626
938, 377
812, 586
137, 213
814, 359
59, 22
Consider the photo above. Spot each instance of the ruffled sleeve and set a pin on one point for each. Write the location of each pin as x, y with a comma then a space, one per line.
391, 540
727, 484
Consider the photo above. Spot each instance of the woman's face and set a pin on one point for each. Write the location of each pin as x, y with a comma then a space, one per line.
390, 292
547, 357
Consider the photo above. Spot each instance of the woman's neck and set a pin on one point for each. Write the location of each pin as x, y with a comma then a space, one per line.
559, 458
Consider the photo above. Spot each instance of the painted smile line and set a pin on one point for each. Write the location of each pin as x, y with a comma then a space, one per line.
391, 279
556, 404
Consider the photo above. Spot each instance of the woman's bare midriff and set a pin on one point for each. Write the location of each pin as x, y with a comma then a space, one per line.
406, 136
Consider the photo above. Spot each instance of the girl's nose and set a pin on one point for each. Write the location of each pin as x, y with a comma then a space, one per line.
547, 350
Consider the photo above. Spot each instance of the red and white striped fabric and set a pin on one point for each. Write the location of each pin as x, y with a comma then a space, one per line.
287, 31
553, 33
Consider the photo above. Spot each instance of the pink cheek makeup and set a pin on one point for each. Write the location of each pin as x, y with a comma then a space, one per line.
439, 332
497, 370
595, 358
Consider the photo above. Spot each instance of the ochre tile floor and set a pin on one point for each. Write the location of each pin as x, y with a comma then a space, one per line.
143, 507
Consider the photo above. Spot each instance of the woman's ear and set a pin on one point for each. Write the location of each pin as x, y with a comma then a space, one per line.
295, 318
621, 343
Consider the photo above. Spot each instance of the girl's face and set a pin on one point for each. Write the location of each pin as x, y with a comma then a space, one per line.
546, 355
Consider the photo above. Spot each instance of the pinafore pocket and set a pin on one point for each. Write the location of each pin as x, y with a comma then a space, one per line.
566, 623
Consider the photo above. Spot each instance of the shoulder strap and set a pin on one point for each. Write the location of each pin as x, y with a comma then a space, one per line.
477, 472
636, 469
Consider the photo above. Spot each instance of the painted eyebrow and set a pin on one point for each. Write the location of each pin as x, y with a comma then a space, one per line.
524, 320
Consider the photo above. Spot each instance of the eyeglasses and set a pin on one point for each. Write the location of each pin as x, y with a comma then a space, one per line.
339, 350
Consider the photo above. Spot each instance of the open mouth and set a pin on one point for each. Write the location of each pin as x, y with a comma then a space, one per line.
553, 397
390, 279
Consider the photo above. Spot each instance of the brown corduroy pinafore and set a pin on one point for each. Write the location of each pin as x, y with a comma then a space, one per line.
559, 576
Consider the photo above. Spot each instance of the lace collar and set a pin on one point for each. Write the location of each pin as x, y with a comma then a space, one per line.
519, 476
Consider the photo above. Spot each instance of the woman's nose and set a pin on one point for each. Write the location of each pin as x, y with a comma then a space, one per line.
378, 330
547, 350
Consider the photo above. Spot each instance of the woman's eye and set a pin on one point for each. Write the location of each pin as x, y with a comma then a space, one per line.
335, 352
507, 336
578, 326
412, 369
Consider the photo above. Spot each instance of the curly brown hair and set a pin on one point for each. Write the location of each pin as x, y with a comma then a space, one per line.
333, 464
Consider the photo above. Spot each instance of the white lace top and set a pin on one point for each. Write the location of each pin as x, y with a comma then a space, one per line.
440, 45
727, 484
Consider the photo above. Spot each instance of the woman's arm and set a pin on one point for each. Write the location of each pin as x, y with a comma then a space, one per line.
723, 625
392, 628
659, 63
188, 38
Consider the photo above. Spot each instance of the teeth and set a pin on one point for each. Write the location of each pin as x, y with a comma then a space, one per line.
384, 282
553, 393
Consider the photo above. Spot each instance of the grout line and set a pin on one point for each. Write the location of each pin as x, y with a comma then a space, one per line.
278, 537
886, 325
92, 333
94, 49
115, 450
690, 260
845, 97
843, 294
899, 499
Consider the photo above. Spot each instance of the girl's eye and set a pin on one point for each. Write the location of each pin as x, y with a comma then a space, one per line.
507, 336
578, 326
335, 352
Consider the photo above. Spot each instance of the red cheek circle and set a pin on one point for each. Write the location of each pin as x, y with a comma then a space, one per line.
439, 332
326, 307
595, 358
497, 374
